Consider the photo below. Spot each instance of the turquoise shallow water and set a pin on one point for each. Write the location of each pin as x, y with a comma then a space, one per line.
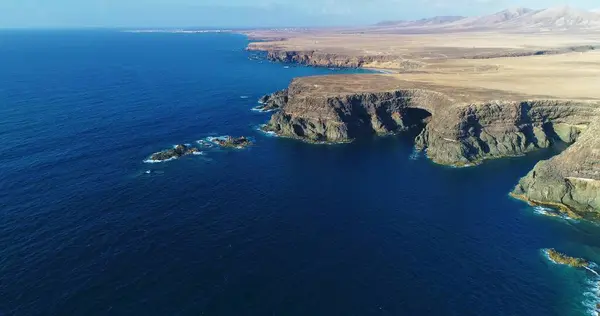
283, 228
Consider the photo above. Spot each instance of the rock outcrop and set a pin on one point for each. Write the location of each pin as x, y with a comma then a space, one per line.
457, 128
232, 142
344, 118
174, 153
274, 101
561, 258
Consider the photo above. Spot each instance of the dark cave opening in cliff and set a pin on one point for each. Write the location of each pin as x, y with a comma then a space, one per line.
413, 121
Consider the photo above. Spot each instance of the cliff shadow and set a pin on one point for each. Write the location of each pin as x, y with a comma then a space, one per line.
412, 122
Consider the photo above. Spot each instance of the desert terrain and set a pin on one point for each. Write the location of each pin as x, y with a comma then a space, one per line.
562, 63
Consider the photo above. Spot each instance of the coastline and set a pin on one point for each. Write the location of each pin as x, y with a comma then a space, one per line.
389, 95
527, 190
559, 207
228, 219
382, 70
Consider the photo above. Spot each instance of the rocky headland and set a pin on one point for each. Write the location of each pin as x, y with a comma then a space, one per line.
456, 127
467, 89
336, 60
471, 89
569, 181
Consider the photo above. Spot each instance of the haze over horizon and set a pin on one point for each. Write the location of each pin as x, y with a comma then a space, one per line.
243, 13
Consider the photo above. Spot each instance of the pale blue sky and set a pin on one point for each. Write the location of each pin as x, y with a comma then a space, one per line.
243, 13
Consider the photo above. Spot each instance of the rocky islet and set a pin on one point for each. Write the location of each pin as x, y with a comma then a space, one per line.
231, 142
561, 258
181, 150
176, 152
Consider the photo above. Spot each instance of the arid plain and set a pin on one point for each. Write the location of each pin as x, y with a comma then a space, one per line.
562, 64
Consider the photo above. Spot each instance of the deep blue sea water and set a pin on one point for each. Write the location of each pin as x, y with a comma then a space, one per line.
283, 228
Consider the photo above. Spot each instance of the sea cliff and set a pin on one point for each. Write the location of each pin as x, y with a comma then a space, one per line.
455, 128
338, 60
569, 181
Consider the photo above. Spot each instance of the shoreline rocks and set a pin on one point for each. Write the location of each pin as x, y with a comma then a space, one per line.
272, 102
174, 153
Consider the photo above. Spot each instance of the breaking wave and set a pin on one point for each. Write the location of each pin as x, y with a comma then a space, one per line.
415, 155
159, 161
592, 294
267, 133
259, 109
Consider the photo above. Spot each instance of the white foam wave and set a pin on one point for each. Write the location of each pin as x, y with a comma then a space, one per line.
212, 139
542, 210
592, 293
261, 110
244, 97
592, 296
592, 271
205, 143
415, 155
550, 212
267, 133
159, 161
545, 252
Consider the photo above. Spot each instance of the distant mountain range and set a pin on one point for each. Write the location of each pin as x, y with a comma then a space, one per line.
557, 18
423, 22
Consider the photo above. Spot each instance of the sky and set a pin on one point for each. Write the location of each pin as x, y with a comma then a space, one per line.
245, 13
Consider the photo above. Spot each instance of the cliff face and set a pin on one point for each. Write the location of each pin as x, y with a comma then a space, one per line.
569, 181
341, 119
317, 58
271, 102
453, 132
468, 134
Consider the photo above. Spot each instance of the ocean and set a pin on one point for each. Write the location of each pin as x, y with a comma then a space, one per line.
281, 228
